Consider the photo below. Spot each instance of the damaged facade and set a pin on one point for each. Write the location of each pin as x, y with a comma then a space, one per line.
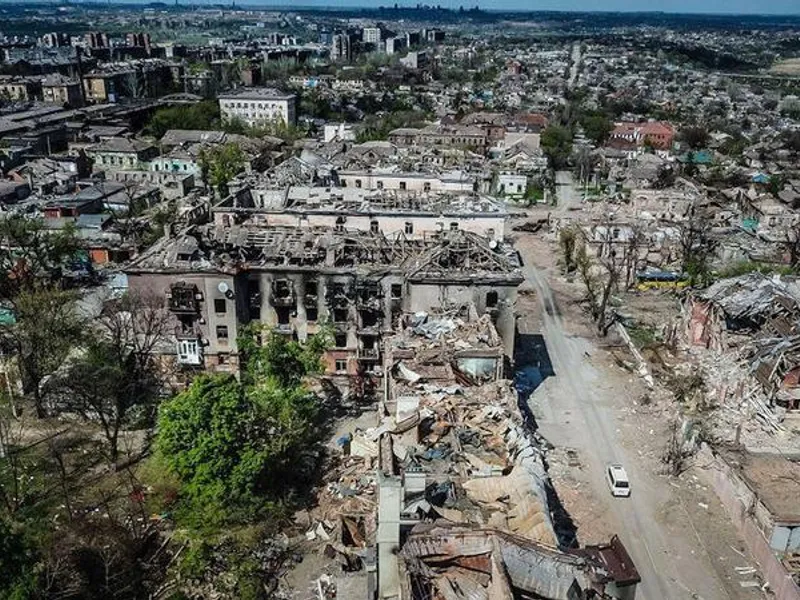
217, 278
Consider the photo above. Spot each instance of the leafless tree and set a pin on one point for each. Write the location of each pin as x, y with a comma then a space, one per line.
613, 266
696, 244
119, 371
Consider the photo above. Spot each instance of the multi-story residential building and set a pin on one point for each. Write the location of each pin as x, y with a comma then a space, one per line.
416, 60
13, 87
258, 106
122, 153
96, 40
635, 135
412, 215
293, 281
395, 44
456, 181
371, 35
58, 89
341, 48
55, 40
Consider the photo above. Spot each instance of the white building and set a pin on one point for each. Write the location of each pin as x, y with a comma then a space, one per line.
512, 186
371, 35
258, 106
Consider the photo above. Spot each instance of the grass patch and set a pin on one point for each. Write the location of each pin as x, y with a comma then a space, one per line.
744, 267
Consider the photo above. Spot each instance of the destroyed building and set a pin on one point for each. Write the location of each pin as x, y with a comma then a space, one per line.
447, 496
390, 213
756, 319
217, 278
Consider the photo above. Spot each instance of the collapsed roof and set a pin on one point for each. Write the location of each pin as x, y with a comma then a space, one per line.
238, 248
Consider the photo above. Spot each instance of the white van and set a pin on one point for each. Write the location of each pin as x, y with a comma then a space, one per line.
618, 481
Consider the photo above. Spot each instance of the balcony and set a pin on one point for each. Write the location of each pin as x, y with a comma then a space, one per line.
189, 352
374, 303
310, 300
184, 299
283, 293
288, 300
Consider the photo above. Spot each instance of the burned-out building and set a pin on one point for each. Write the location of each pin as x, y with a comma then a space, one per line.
390, 213
216, 278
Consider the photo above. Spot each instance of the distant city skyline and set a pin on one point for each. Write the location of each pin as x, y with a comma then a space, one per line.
710, 7
732, 7
769, 7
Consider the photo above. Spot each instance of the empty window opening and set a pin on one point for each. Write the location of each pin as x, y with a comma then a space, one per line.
220, 306
339, 315
396, 291
369, 318
284, 314
340, 340
282, 289
312, 315
222, 334
491, 299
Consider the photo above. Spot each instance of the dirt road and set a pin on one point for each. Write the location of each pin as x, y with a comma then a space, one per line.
579, 403
574, 68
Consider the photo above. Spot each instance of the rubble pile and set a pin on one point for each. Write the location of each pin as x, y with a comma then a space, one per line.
741, 334
465, 429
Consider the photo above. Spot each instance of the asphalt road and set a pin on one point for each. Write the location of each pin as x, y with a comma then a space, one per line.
567, 195
577, 406
574, 68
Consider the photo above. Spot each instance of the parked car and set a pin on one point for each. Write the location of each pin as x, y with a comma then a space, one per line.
618, 481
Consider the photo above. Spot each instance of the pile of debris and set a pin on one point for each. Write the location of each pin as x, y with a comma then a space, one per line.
450, 562
742, 333
448, 494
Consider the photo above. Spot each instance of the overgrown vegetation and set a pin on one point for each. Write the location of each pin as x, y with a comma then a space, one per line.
556, 143
202, 116
229, 458
377, 127
220, 164
233, 458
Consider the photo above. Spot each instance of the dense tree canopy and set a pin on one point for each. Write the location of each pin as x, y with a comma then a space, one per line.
220, 164
556, 142
242, 449
202, 116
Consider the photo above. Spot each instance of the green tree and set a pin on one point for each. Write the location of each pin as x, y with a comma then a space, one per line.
44, 331
32, 257
556, 142
242, 450
203, 116
222, 163
17, 560
695, 137
597, 127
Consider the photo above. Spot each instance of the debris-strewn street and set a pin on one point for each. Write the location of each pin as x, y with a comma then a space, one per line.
595, 413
